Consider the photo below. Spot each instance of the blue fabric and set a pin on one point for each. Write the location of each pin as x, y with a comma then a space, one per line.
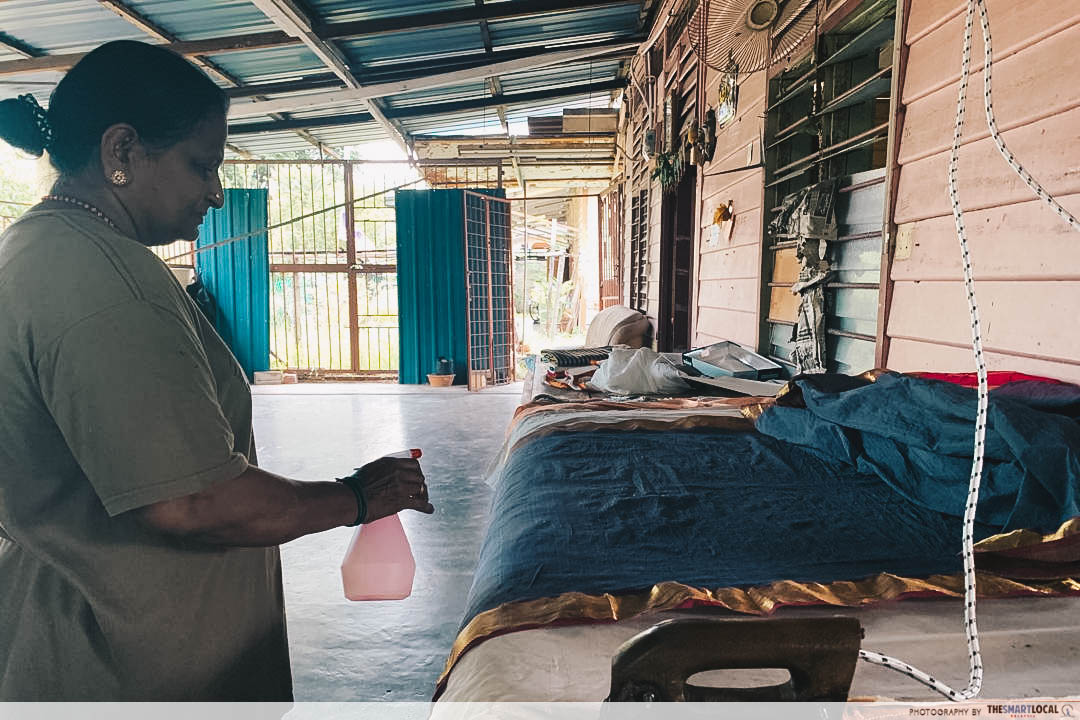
431, 283
609, 511
918, 435
433, 308
237, 275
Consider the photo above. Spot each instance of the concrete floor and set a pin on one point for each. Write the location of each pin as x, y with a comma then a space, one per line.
365, 651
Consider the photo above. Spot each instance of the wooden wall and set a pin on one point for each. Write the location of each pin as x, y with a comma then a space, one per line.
728, 270
1026, 259
656, 198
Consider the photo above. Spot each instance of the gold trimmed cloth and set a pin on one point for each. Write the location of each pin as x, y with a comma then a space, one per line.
579, 608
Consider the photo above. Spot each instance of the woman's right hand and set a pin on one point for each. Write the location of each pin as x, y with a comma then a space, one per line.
391, 485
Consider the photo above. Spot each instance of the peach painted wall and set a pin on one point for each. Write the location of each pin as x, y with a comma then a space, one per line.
728, 270
1026, 260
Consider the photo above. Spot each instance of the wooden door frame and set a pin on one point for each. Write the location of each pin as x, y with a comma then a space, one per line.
676, 209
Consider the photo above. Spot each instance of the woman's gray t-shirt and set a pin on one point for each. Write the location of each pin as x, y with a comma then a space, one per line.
119, 394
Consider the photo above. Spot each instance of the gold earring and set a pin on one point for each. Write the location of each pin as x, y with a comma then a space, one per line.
119, 178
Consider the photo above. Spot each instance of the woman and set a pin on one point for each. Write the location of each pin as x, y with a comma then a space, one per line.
138, 537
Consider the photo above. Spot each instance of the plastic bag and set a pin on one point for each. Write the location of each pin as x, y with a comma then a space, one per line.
638, 371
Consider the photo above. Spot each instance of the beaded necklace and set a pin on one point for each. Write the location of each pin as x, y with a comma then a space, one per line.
85, 206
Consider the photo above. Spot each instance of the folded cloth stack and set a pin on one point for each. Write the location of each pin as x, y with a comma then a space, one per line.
574, 357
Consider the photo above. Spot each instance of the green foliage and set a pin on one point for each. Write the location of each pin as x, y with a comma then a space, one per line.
669, 169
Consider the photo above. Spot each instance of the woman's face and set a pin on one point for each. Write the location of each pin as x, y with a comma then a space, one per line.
175, 187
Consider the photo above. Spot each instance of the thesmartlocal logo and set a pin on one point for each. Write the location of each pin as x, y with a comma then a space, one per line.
1032, 710
1005, 709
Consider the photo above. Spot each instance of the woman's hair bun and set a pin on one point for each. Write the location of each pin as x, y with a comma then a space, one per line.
157, 92
24, 124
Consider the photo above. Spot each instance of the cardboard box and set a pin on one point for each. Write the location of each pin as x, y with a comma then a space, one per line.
477, 380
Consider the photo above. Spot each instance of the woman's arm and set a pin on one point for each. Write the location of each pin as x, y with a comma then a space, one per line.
259, 509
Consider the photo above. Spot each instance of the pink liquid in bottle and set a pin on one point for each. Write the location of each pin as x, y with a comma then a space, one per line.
379, 564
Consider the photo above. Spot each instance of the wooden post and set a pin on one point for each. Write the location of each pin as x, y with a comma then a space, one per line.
892, 180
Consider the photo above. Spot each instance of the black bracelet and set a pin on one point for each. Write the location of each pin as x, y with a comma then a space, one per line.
353, 483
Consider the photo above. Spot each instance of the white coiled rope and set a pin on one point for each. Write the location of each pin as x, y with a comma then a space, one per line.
975, 660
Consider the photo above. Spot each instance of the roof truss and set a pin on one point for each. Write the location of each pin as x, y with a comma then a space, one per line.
334, 31
159, 33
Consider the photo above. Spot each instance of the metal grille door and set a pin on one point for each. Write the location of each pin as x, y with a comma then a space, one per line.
489, 284
372, 248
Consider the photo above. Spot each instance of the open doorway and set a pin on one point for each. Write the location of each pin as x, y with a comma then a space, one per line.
676, 266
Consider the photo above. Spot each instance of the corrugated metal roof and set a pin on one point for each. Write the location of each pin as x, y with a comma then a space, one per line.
468, 122
66, 26
282, 63
40, 85
9, 55
198, 19
333, 11
487, 120
548, 78
463, 91
63, 26
350, 134
415, 45
602, 23
270, 143
520, 113
579, 73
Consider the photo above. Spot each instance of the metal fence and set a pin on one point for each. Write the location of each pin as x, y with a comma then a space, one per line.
10, 210
332, 246
450, 175
489, 283
333, 266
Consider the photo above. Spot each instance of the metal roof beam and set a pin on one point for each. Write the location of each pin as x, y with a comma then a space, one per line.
187, 48
393, 128
460, 16
322, 81
497, 94
495, 86
324, 149
427, 110
336, 31
18, 47
293, 123
157, 32
485, 31
400, 72
486, 102
293, 19
316, 101
237, 150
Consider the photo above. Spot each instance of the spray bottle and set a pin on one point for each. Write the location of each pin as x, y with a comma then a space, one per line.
379, 564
